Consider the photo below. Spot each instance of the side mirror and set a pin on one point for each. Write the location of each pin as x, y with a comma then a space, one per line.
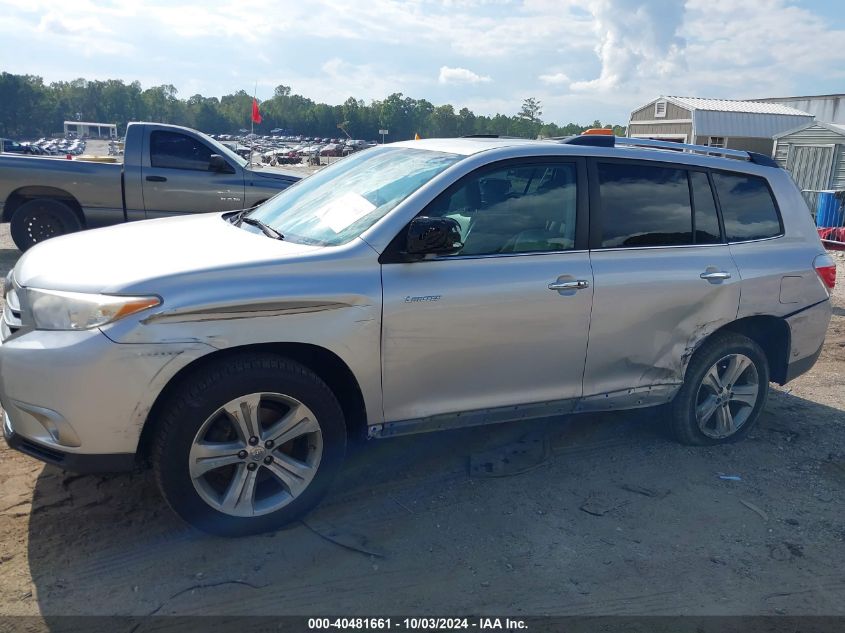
217, 163
433, 236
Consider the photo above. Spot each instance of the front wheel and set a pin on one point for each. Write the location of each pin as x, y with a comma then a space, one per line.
724, 392
248, 444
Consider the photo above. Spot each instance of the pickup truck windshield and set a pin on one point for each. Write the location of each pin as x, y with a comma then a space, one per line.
339, 203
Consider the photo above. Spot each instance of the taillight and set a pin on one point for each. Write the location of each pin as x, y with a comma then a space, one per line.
826, 270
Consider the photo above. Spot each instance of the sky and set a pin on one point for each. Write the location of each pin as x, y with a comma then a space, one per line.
583, 60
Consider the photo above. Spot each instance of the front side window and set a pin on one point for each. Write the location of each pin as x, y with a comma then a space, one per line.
518, 209
173, 150
748, 209
644, 205
340, 202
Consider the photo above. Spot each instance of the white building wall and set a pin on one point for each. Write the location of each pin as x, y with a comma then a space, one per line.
747, 124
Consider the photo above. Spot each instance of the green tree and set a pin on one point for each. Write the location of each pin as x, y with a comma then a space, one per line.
30, 108
444, 122
531, 110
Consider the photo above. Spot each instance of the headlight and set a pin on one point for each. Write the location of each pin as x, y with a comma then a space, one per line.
57, 310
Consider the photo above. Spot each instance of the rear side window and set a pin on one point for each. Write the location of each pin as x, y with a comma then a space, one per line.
748, 209
644, 205
178, 151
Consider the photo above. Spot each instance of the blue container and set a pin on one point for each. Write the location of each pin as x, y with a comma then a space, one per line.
829, 209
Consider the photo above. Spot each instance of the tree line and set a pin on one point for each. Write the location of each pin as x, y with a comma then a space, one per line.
30, 107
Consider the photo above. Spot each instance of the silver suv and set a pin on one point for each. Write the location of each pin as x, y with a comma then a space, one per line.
412, 287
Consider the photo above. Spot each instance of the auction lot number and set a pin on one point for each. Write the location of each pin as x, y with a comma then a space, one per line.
421, 623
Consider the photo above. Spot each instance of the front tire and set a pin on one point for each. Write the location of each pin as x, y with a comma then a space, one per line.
248, 444
40, 219
725, 390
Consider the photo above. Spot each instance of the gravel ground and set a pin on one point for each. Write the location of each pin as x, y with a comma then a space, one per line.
616, 520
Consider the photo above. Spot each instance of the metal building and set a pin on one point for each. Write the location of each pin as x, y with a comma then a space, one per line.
827, 108
815, 156
87, 129
747, 125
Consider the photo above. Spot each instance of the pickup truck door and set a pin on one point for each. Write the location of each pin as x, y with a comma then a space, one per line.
504, 321
176, 179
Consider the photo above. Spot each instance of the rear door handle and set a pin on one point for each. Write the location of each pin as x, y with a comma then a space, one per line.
715, 275
156, 178
578, 284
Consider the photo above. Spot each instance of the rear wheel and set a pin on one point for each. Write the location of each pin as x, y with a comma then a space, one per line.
725, 390
248, 445
40, 219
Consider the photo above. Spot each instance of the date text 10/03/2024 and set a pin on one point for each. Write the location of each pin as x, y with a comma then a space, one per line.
418, 623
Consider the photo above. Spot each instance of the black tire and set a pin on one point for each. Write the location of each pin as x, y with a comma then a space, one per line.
40, 219
195, 401
722, 348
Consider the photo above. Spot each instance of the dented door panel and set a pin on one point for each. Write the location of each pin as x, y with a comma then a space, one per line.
651, 309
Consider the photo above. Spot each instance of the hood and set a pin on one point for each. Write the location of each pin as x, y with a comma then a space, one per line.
125, 258
276, 173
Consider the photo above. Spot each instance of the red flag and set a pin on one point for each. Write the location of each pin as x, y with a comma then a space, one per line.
256, 115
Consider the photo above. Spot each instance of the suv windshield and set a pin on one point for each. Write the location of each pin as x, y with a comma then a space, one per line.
339, 203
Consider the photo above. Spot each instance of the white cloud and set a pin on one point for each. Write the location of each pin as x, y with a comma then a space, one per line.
555, 79
460, 76
57, 24
597, 60
635, 38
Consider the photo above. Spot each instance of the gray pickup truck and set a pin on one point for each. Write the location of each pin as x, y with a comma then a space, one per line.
167, 170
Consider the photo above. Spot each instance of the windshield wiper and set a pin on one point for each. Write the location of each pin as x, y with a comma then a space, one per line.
239, 216
269, 231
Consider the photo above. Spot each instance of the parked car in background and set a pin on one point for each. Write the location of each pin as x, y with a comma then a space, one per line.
331, 149
413, 287
13, 147
46, 198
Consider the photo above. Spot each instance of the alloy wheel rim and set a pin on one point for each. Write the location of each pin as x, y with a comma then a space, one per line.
256, 454
727, 396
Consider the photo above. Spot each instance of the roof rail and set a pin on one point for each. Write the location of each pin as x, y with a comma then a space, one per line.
491, 136
612, 141
683, 147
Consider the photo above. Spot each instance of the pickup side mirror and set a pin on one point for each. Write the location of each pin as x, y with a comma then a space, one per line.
217, 163
433, 236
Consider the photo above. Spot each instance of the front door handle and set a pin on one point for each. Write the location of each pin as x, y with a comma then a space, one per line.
578, 284
156, 178
715, 275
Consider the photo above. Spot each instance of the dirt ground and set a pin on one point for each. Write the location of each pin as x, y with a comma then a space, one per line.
617, 519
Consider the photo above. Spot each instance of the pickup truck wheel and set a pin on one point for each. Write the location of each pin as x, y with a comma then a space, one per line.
725, 390
248, 445
40, 219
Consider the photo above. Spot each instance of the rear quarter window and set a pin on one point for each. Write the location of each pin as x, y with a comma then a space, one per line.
748, 208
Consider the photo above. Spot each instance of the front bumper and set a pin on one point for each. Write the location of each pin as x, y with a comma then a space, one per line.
74, 462
79, 400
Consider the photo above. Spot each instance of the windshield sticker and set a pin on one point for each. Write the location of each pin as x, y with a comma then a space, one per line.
344, 212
